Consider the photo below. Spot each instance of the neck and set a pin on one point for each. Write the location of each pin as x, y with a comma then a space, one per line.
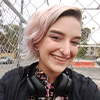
51, 78
51, 75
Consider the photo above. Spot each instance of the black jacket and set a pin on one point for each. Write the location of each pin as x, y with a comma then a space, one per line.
13, 86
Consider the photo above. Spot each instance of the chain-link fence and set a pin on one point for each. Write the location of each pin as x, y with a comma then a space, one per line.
13, 18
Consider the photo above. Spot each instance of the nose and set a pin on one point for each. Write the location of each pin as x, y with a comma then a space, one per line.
66, 49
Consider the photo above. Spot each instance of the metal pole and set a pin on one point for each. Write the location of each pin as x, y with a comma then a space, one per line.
47, 2
20, 34
15, 11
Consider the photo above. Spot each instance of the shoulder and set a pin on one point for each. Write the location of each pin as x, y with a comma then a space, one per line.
17, 73
85, 87
81, 80
79, 77
9, 82
12, 74
14, 83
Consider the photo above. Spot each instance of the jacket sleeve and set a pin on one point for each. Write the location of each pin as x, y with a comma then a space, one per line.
84, 88
7, 85
13, 85
2, 92
93, 90
97, 95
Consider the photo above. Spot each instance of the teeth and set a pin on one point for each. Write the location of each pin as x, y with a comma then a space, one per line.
59, 58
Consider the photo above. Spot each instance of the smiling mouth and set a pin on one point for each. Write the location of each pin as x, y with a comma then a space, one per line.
59, 58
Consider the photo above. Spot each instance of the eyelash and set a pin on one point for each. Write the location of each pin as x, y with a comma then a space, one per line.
58, 38
55, 37
75, 42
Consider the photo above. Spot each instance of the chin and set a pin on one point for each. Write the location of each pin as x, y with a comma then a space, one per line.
58, 70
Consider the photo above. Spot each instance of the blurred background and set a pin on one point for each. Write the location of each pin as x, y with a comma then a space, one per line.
14, 15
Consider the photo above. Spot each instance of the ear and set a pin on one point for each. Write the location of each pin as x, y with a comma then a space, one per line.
36, 46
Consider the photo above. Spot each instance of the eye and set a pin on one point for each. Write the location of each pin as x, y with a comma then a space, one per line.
56, 37
75, 43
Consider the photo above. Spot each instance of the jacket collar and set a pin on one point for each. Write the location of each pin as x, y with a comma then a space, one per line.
30, 70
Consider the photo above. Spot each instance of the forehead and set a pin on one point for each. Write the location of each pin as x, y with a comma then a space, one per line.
67, 24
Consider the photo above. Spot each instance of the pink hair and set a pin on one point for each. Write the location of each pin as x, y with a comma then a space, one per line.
39, 24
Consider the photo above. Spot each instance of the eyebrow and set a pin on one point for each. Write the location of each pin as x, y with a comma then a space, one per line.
78, 37
60, 33
57, 32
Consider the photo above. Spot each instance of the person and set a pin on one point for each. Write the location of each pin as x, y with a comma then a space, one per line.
50, 40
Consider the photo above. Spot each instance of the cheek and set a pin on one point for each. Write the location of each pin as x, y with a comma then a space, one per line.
45, 47
74, 51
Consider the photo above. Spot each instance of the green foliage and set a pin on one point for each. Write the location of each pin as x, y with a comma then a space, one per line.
9, 41
99, 54
1, 37
85, 37
82, 51
85, 34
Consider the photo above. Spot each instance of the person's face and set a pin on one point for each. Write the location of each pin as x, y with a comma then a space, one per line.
60, 45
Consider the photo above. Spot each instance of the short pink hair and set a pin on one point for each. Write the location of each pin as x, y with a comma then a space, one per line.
39, 24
